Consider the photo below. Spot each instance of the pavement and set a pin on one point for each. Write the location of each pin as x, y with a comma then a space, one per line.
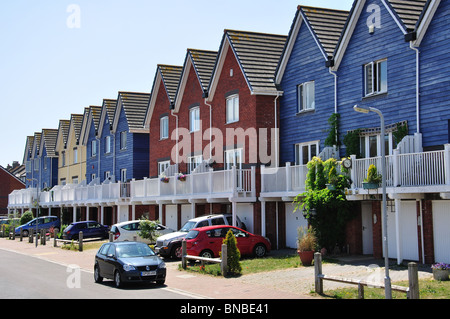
282, 285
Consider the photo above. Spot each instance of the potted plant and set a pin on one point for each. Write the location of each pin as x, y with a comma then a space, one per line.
332, 178
440, 271
164, 179
181, 177
373, 179
306, 244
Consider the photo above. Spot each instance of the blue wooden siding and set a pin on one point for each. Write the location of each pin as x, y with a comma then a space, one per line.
134, 158
91, 162
435, 80
306, 63
388, 42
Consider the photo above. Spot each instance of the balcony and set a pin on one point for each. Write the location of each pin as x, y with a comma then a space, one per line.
407, 176
235, 185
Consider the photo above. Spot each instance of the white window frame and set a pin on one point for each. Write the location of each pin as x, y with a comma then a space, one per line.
164, 128
194, 119
306, 99
364, 145
233, 158
193, 162
63, 158
123, 140
373, 77
93, 148
75, 155
107, 144
162, 166
311, 146
232, 108
123, 175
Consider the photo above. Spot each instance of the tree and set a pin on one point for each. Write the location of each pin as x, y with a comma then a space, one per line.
148, 229
234, 255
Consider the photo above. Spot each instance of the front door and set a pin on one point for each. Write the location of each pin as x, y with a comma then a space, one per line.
367, 229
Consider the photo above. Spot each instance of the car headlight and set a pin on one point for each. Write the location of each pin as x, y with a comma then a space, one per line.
128, 267
162, 266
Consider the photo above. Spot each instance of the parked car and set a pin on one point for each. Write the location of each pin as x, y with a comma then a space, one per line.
128, 262
90, 229
127, 231
45, 222
207, 242
170, 245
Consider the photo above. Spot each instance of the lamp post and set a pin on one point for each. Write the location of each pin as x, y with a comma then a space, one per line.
387, 280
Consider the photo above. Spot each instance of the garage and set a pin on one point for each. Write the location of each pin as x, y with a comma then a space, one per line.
293, 222
441, 222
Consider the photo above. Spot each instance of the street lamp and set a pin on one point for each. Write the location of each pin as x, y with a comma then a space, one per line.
387, 280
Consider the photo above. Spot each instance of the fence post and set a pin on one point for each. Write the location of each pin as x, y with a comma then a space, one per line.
183, 254
413, 278
318, 281
80, 241
30, 236
224, 262
55, 242
111, 237
21, 235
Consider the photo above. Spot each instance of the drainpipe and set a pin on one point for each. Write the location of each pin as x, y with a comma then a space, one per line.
210, 128
417, 84
335, 88
276, 130
176, 116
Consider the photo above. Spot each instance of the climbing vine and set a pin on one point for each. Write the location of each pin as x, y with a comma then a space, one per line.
327, 211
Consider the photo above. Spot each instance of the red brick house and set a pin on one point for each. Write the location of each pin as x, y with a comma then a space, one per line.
8, 183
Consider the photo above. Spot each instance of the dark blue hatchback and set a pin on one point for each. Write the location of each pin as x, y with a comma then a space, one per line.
90, 229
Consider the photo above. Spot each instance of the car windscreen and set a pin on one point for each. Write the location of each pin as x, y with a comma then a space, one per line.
133, 250
192, 234
187, 227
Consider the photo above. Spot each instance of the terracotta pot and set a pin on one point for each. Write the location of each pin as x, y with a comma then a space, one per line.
306, 257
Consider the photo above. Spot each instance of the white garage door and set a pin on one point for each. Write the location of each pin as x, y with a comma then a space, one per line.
171, 216
409, 240
293, 221
441, 226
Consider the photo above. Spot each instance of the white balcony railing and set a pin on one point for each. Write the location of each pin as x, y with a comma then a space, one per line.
226, 183
425, 171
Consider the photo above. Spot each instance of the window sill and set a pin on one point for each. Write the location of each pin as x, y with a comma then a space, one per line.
305, 112
374, 95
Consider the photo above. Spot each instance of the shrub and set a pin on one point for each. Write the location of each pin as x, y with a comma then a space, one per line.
26, 217
307, 240
234, 255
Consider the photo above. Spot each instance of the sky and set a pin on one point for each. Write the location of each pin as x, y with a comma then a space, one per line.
58, 57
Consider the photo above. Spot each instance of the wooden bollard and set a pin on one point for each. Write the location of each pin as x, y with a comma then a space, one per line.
183, 254
413, 278
80, 241
318, 282
224, 262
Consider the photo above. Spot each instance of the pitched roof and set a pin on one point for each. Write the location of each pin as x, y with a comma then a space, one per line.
171, 76
36, 144
49, 140
63, 131
203, 62
409, 11
28, 148
135, 108
327, 25
95, 112
76, 120
258, 55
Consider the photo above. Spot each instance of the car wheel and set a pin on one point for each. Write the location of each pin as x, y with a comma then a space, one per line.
177, 252
117, 279
98, 279
25, 233
260, 251
207, 254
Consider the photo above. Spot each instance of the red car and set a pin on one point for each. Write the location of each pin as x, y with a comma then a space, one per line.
207, 241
